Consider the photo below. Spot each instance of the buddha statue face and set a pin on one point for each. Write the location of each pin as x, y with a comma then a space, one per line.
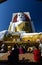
21, 17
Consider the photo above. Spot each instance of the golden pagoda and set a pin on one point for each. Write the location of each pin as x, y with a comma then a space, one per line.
21, 29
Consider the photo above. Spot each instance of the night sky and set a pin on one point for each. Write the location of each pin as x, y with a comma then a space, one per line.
12, 6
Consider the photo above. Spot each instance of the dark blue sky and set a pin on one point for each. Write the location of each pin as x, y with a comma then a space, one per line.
11, 6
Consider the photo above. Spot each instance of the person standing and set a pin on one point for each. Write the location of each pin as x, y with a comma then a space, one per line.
14, 56
40, 46
21, 50
37, 54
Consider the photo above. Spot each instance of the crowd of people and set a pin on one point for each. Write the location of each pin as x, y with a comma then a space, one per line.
14, 55
20, 49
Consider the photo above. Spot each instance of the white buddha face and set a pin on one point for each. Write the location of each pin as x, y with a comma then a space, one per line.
21, 17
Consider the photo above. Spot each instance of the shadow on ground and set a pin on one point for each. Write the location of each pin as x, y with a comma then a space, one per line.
18, 63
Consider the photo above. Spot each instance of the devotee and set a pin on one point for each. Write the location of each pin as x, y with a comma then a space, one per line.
21, 50
13, 57
40, 46
37, 54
